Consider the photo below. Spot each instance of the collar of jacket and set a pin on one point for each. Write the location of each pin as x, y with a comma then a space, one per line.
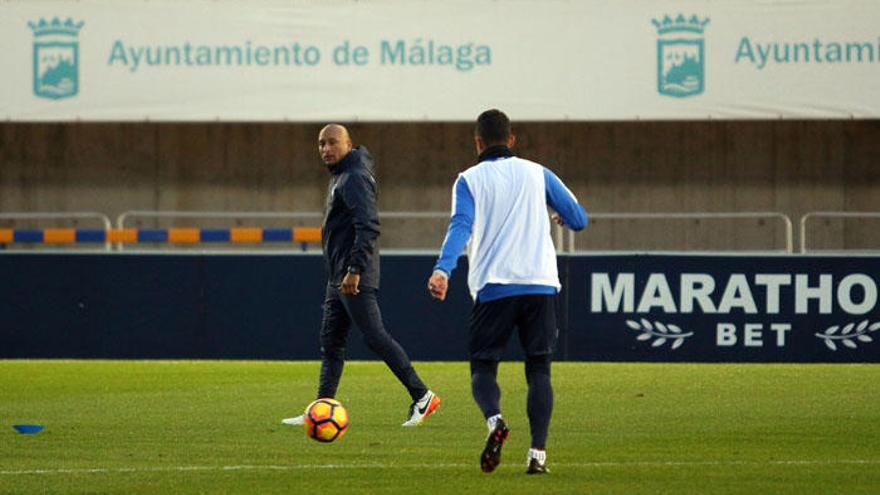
347, 161
494, 153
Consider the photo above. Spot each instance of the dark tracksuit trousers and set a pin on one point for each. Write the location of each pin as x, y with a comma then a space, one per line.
340, 311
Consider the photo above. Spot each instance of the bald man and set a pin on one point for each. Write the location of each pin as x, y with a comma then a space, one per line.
351, 227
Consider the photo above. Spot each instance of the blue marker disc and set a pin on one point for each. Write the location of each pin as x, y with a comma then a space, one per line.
28, 429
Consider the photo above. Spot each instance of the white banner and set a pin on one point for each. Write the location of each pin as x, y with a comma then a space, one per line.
416, 60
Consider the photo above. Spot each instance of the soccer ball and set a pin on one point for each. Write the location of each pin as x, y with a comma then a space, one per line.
326, 420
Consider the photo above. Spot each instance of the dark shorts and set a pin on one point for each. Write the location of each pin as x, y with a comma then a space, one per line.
492, 323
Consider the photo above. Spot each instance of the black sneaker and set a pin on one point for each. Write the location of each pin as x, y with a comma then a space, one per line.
491, 456
537, 467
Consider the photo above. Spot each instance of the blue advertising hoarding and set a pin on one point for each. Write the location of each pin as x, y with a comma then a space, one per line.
627, 307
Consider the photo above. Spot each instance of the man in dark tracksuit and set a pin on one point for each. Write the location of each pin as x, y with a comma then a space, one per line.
349, 234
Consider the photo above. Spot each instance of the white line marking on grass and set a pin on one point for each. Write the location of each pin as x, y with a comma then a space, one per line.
723, 463
269, 467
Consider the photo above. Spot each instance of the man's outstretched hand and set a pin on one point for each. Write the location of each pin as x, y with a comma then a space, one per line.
438, 284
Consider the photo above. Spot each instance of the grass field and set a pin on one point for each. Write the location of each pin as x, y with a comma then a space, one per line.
213, 427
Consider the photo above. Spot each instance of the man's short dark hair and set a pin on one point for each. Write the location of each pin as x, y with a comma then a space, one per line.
493, 127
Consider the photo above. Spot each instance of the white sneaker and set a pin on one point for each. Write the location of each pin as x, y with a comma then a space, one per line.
297, 421
422, 408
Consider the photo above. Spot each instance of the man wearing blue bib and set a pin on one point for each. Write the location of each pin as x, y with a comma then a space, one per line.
500, 206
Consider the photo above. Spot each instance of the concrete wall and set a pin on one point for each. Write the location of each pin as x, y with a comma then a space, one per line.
787, 166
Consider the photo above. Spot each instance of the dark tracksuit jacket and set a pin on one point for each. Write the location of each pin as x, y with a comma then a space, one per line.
351, 222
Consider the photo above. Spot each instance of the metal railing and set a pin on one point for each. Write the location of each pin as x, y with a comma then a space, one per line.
407, 215
213, 215
564, 242
221, 215
67, 215
830, 214
559, 232
756, 215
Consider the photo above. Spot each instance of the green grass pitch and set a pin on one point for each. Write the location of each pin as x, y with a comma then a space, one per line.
214, 427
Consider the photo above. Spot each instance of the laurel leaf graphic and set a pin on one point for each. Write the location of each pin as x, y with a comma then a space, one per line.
633, 325
862, 326
658, 342
660, 326
875, 326
849, 343
643, 337
832, 330
674, 328
847, 329
865, 338
677, 343
831, 345
647, 324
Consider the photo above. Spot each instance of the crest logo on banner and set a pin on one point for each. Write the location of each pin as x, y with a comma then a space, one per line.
56, 58
681, 57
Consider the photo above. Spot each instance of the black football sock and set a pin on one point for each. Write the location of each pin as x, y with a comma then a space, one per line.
484, 386
540, 399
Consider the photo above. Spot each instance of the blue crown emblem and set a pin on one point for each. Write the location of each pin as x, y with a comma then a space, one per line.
680, 24
67, 27
56, 57
681, 66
